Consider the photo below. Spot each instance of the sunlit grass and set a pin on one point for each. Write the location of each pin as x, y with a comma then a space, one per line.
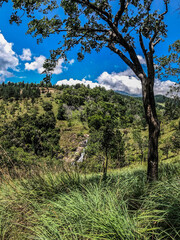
58, 205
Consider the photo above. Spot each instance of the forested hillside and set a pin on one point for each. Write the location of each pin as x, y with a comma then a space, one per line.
58, 124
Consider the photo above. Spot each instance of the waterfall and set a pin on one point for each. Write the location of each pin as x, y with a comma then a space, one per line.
81, 158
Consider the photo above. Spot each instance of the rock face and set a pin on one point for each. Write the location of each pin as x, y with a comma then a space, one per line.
79, 153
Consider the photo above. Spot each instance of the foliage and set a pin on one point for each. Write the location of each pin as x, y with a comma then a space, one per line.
47, 106
18, 91
104, 24
32, 133
61, 115
141, 143
106, 140
176, 140
169, 66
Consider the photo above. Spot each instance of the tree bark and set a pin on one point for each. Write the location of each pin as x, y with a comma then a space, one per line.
105, 166
154, 128
152, 171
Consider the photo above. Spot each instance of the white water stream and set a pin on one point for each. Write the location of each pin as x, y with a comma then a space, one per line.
81, 158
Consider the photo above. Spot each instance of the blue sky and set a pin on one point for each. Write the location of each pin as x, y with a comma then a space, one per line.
21, 58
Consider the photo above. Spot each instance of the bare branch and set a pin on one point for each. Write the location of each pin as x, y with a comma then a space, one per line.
120, 12
158, 40
122, 56
151, 45
143, 48
164, 13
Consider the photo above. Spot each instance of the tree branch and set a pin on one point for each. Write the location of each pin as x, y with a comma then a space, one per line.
122, 56
151, 71
158, 40
143, 48
107, 18
120, 12
84, 29
103, 14
151, 47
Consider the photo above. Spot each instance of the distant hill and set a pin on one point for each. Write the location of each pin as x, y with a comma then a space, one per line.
127, 94
161, 98
158, 98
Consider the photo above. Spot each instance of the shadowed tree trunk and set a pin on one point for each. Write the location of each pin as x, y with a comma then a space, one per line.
154, 129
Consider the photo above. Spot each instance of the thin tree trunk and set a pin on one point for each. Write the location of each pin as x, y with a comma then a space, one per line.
142, 156
105, 166
154, 129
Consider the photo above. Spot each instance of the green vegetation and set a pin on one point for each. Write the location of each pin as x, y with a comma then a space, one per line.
51, 128
49, 204
47, 194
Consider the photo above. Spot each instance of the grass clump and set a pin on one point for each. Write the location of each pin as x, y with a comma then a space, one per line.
68, 206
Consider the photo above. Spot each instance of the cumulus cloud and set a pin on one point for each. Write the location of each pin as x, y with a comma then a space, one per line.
26, 55
162, 87
8, 59
72, 82
38, 62
141, 59
120, 82
59, 67
128, 72
123, 81
36, 65
127, 82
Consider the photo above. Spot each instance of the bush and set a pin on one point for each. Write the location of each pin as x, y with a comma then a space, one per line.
48, 94
47, 106
61, 112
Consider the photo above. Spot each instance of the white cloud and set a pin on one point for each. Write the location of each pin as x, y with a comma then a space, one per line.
131, 84
141, 59
8, 59
26, 55
162, 87
120, 82
72, 82
71, 61
59, 68
38, 65
128, 72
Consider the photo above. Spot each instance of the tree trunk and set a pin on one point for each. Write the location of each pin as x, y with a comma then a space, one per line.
154, 129
152, 172
105, 166
142, 156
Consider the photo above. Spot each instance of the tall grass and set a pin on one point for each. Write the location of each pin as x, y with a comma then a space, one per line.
71, 206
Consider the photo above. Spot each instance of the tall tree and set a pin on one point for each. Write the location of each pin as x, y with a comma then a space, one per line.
121, 26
